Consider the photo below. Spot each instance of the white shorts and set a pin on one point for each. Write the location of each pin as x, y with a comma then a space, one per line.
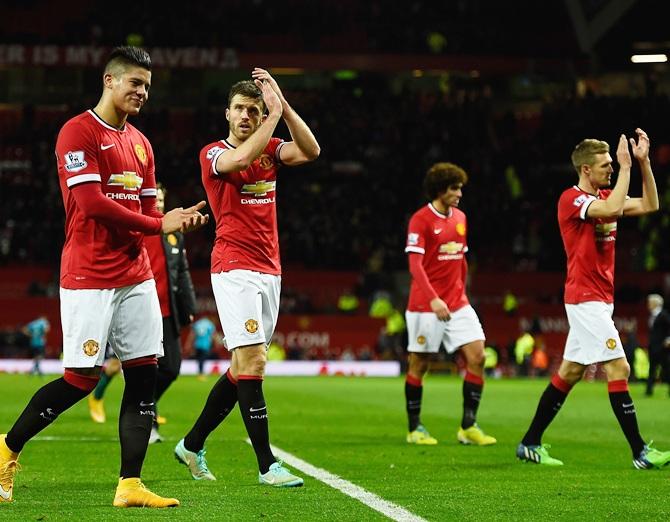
248, 306
129, 318
426, 332
592, 337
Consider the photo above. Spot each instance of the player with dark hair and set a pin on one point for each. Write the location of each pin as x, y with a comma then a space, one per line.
439, 312
240, 176
176, 295
107, 293
587, 218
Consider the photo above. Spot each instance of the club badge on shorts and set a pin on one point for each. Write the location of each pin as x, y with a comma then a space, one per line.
421, 340
251, 326
91, 347
610, 343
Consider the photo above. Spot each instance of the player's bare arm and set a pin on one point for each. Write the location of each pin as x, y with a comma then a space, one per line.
251, 148
613, 206
303, 147
648, 203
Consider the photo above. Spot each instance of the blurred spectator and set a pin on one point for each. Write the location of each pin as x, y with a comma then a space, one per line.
523, 349
659, 341
201, 338
347, 302
491, 361
37, 331
276, 352
630, 343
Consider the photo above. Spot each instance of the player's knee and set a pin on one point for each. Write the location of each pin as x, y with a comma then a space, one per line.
85, 379
476, 359
618, 369
418, 364
255, 366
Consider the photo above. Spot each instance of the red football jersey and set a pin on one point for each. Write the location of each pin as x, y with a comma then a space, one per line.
88, 150
244, 208
442, 239
589, 247
154, 246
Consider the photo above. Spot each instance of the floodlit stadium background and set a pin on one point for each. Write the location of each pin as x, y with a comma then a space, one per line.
388, 88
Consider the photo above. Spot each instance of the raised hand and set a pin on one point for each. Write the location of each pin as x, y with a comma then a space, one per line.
272, 101
623, 154
263, 75
641, 148
184, 220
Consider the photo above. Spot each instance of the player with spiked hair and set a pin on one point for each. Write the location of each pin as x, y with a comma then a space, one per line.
107, 291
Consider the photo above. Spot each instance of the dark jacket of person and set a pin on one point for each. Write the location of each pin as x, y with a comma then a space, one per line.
180, 286
659, 331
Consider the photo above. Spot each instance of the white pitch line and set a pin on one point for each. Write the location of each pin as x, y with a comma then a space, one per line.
391, 510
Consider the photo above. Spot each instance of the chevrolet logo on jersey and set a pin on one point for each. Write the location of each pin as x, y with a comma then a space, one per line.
605, 229
260, 188
127, 180
451, 248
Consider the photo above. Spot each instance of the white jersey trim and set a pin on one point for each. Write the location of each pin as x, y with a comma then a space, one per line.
103, 122
416, 250
277, 156
214, 160
438, 213
148, 192
82, 178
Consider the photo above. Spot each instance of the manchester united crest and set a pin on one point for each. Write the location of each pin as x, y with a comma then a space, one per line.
141, 153
610, 343
421, 340
91, 347
172, 239
265, 162
251, 326
460, 229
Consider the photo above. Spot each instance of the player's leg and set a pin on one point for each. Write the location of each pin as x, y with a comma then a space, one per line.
168, 370
222, 398
473, 386
464, 332
190, 450
201, 356
653, 370
424, 334
250, 362
96, 404
135, 336
170, 364
38, 355
531, 448
44, 407
644, 457
590, 330
85, 318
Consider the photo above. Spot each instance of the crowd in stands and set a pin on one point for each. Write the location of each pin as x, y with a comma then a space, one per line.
349, 210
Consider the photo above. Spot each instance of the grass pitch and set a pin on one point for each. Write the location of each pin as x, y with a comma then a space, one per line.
354, 428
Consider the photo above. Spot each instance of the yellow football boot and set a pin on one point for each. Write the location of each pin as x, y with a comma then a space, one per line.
421, 437
475, 436
132, 493
8, 467
96, 407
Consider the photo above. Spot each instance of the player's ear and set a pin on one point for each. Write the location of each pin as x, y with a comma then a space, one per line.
107, 80
263, 118
227, 114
